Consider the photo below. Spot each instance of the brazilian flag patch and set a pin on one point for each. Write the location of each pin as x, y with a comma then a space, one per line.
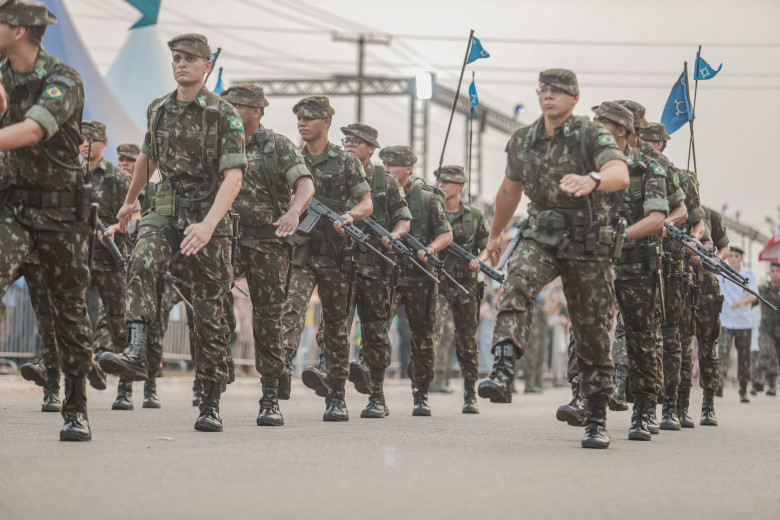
659, 170
362, 171
402, 192
54, 92
236, 123
676, 178
723, 226
606, 139
299, 154
485, 225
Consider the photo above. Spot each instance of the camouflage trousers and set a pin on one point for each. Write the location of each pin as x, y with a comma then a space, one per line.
590, 293
536, 348
706, 320
265, 269
769, 352
420, 302
373, 302
111, 286
212, 275
741, 340
39, 298
62, 248
687, 327
333, 287
465, 316
678, 283
619, 351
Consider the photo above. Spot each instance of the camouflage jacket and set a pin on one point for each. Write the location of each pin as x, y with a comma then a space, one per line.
470, 230
674, 193
254, 204
715, 228
770, 320
109, 189
52, 95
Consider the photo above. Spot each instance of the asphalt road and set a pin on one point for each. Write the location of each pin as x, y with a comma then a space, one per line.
511, 461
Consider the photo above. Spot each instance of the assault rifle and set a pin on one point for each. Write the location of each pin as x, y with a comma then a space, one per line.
317, 210
437, 264
457, 251
512, 244
712, 263
119, 260
403, 252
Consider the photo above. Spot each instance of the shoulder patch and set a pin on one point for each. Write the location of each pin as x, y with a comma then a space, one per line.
65, 80
298, 153
606, 139
659, 170
486, 226
236, 123
722, 226
676, 178
362, 171
401, 192
441, 211
54, 92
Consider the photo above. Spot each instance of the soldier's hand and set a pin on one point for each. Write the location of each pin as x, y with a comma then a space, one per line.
492, 251
577, 185
286, 225
386, 240
474, 265
110, 230
3, 99
125, 215
195, 237
696, 262
348, 221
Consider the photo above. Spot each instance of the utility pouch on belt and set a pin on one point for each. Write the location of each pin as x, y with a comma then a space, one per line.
591, 237
83, 201
346, 258
620, 238
651, 256
165, 200
301, 245
548, 228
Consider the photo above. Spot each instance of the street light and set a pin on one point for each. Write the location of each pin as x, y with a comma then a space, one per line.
423, 82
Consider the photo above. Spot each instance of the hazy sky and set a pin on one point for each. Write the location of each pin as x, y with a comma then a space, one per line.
619, 49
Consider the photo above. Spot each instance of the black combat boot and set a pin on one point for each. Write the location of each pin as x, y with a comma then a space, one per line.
771, 388
34, 372
596, 434
124, 396
51, 392
209, 420
470, 397
498, 386
721, 380
96, 377
360, 377
377, 407
652, 418
285, 378
197, 391
669, 409
573, 413
420, 394
335, 405
130, 364
231, 370
316, 377
617, 400
74, 411
683, 399
638, 430
708, 417
269, 414
743, 398
150, 393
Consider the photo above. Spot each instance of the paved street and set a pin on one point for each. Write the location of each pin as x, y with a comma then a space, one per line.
511, 461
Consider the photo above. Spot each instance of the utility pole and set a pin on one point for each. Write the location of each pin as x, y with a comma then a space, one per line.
361, 40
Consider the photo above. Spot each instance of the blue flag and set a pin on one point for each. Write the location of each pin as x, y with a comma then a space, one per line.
476, 51
677, 111
704, 70
473, 96
219, 87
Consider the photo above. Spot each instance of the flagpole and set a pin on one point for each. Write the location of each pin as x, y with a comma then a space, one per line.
692, 144
455, 104
471, 137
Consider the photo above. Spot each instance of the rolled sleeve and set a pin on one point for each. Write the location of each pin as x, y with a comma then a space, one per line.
695, 215
298, 171
656, 205
358, 190
606, 154
232, 160
675, 198
44, 118
401, 213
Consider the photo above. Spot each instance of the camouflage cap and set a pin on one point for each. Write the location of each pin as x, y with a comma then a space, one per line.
367, 133
561, 78
245, 94
638, 111
94, 129
738, 250
130, 150
191, 43
398, 155
617, 113
314, 107
654, 132
27, 13
774, 263
453, 173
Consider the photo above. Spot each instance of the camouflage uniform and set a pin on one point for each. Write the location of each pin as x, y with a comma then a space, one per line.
324, 258
41, 212
536, 349
192, 143
470, 230
769, 332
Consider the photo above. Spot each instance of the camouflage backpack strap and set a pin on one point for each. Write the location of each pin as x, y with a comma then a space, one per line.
419, 202
210, 125
332, 166
270, 157
379, 185
110, 180
154, 120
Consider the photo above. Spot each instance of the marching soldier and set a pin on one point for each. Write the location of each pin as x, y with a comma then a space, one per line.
769, 329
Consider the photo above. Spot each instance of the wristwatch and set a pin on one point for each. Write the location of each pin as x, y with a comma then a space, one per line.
596, 177
353, 216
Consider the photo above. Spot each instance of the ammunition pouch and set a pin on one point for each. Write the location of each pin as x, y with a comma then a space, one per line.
259, 232
547, 228
80, 200
165, 226
367, 258
301, 245
635, 256
164, 203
